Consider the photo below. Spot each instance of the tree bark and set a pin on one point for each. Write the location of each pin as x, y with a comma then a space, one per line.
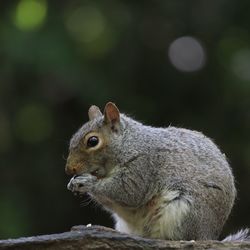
97, 237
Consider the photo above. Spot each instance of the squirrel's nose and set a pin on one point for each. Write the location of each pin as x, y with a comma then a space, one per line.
70, 170
73, 166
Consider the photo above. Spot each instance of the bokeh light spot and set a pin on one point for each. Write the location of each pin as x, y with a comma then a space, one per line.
230, 45
34, 123
30, 14
13, 221
187, 54
240, 64
86, 24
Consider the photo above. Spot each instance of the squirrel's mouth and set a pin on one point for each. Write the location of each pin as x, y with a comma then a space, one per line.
95, 173
99, 173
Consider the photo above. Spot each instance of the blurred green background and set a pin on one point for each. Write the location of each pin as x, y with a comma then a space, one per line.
185, 63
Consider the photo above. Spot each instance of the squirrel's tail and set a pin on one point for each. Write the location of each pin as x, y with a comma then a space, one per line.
242, 235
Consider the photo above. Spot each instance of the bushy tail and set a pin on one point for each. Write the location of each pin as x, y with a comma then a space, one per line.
242, 235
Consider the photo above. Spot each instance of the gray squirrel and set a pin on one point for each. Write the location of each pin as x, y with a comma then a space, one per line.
167, 183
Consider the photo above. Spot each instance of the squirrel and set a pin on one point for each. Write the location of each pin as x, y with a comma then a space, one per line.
166, 183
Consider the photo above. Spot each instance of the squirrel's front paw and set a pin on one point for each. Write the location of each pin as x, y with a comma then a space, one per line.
81, 183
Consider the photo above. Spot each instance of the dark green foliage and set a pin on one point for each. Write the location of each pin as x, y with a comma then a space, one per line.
59, 57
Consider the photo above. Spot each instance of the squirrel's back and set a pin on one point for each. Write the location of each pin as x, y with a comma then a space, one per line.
190, 164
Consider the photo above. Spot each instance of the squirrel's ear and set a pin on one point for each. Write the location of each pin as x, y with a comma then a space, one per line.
111, 114
94, 112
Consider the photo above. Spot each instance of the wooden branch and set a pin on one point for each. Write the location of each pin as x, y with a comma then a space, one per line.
97, 237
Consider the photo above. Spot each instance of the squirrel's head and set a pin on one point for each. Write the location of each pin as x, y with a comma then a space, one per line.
91, 144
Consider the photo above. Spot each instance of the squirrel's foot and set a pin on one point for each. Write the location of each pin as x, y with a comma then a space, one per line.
81, 183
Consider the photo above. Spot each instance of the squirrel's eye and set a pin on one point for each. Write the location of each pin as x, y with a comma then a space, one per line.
92, 141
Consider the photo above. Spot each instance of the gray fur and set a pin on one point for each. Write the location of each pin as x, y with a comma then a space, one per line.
141, 163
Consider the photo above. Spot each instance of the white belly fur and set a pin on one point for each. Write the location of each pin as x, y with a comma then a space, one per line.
157, 220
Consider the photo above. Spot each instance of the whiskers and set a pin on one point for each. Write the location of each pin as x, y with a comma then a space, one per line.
86, 200
64, 157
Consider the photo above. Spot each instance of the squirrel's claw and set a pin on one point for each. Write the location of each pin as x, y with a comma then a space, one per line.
80, 183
